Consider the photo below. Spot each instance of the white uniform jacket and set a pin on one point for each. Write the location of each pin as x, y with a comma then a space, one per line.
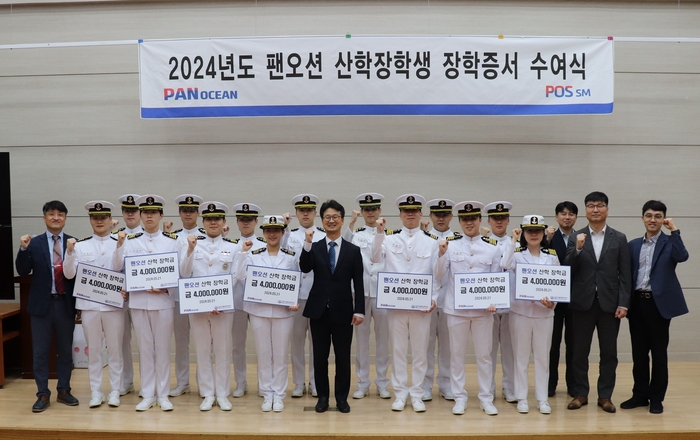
95, 251
513, 255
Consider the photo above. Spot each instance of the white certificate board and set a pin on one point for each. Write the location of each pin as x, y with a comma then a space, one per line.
404, 291
535, 281
477, 291
99, 285
204, 294
265, 285
159, 271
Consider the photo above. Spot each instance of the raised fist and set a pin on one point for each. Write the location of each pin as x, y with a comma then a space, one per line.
70, 245
121, 236
115, 222
380, 225
425, 225
191, 242
442, 245
247, 245
485, 231
167, 226
24, 241
580, 240
310, 235
516, 234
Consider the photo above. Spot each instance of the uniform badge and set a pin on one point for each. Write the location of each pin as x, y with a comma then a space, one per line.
410, 199
130, 200
469, 207
306, 199
189, 201
499, 207
150, 200
98, 206
533, 220
442, 203
211, 207
368, 198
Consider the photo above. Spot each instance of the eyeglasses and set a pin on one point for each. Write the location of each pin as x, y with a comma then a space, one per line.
650, 216
334, 218
598, 206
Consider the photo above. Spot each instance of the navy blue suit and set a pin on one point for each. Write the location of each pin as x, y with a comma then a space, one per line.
562, 326
48, 315
650, 314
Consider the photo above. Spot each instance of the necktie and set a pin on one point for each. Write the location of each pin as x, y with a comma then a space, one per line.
58, 266
331, 255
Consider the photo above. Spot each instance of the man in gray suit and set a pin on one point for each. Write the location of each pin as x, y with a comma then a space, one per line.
600, 296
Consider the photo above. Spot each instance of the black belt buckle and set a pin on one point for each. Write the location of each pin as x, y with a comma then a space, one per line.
644, 294
57, 296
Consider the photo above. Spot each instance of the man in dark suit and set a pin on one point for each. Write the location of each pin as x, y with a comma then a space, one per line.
51, 304
600, 296
331, 307
558, 238
657, 297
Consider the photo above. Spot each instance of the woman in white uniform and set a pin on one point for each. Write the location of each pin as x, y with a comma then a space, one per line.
530, 321
271, 324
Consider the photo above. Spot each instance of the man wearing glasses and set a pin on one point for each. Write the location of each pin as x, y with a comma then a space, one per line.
600, 296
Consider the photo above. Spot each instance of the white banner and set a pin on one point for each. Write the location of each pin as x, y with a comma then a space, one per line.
478, 291
154, 270
404, 291
99, 285
535, 281
204, 294
375, 75
266, 285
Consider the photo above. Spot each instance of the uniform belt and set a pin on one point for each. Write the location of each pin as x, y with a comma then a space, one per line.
646, 294
57, 296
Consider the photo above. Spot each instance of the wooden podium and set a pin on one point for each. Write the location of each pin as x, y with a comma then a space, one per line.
26, 334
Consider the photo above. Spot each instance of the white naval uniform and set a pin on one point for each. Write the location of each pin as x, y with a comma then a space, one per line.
211, 333
530, 326
469, 255
128, 372
439, 333
181, 323
99, 319
271, 324
501, 334
152, 316
302, 327
363, 238
240, 320
408, 251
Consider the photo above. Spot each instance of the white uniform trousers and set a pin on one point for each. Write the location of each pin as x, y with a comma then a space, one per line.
481, 329
302, 328
127, 358
212, 333
409, 327
439, 333
111, 325
240, 335
272, 347
531, 334
181, 327
501, 333
381, 358
154, 328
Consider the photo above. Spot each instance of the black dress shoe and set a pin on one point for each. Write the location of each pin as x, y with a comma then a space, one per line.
343, 406
634, 402
322, 404
656, 408
67, 398
41, 404
552, 393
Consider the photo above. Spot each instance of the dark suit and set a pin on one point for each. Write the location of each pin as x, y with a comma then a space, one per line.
330, 308
48, 315
650, 318
562, 320
598, 288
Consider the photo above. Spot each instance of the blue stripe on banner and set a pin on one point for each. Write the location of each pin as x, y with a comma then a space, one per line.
378, 109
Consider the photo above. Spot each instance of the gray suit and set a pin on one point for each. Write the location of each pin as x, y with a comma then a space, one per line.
598, 288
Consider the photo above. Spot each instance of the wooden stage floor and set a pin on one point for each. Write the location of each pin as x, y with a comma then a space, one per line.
370, 417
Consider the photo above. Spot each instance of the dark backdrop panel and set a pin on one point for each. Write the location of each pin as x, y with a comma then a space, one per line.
7, 289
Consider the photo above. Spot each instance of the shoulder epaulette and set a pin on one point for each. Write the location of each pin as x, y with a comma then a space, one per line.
320, 229
454, 237
262, 239
458, 234
118, 230
294, 230
177, 231
489, 240
549, 251
113, 238
201, 237
359, 229
170, 235
288, 252
434, 237
520, 249
259, 251
83, 239
392, 231
202, 230
231, 240
137, 235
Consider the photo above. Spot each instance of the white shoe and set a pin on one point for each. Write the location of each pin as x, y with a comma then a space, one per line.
312, 391
113, 399
299, 391
359, 394
146, 404
459, 408
509, 396
418, 405
179, 390
165, 404
384, 393
224, 404
260, 394
489, 409
277, 405
141, 394
447, 395
126, 390
427, 396
207, 403
267, 405
97, 399
240, 390
398, 405
523, 407
544, 408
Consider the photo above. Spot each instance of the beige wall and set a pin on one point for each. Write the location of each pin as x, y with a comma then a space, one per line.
70, 119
